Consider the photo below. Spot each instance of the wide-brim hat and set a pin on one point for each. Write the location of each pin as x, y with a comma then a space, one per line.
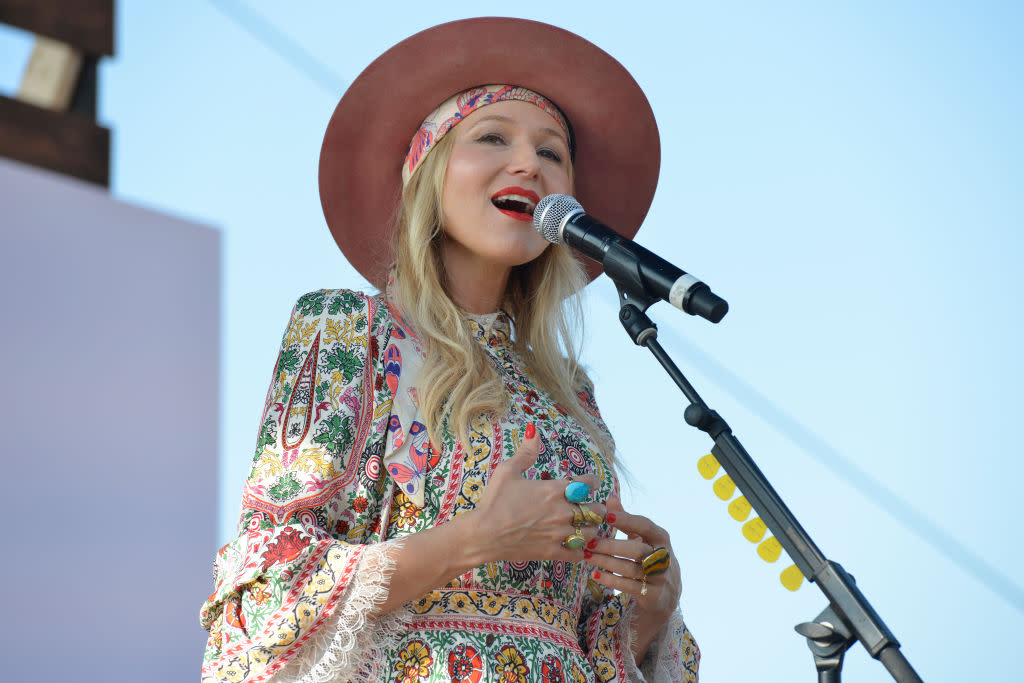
618, 152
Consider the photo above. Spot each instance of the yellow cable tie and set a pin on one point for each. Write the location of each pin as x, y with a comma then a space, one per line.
707, 466
739, 509
754, 530
724, 488
791, 577
770, 549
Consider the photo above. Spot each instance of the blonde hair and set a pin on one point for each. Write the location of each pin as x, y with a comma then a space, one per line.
542, 297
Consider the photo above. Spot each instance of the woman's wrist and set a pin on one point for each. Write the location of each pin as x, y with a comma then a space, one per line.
646, 625
474, 548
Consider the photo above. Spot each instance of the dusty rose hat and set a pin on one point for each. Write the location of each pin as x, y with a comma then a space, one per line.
618, 152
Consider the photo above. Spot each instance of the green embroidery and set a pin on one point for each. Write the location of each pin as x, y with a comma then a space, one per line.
346, 362
285, 488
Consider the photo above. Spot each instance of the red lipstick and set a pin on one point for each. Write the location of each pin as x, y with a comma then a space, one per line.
516, 202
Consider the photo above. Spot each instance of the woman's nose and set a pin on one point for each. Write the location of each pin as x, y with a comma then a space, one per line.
524, 161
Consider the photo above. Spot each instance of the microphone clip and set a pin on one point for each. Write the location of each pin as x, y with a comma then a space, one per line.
622, 266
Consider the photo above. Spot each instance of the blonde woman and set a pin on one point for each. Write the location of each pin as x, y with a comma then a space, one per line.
433, 495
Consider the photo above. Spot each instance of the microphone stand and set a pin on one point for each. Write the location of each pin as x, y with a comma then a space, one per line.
849, 616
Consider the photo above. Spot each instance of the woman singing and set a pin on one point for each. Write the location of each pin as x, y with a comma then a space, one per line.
433, 494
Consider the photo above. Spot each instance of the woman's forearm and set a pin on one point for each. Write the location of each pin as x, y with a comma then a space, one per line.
431, 558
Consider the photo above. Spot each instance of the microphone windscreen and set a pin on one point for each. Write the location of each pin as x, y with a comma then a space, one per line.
550, 212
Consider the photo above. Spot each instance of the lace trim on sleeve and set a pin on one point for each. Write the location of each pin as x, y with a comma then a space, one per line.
626, 636
350, 645
672, 656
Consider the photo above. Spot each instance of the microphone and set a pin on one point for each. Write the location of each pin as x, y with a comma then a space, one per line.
560, 218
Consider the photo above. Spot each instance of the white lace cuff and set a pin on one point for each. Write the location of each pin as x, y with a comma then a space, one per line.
667, 659
350, 644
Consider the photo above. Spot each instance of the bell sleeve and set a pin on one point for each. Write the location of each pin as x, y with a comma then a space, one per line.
606, 636
296, 592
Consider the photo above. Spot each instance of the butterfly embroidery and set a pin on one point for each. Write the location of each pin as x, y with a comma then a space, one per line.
392, 367
408, 475
397, 435
421, 445
420, 452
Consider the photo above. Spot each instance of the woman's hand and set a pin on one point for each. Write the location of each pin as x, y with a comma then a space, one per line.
520, 520
618, 561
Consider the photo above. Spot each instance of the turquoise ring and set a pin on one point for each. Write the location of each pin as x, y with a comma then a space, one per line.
577, 492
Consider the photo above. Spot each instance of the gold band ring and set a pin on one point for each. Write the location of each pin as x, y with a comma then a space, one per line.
577, 516
589, 516
576, 540
656, 562
643, 585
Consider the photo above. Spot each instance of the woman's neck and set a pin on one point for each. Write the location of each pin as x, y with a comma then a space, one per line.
475, 286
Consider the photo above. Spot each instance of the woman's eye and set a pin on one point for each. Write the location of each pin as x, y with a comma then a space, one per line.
491, 137
550, 154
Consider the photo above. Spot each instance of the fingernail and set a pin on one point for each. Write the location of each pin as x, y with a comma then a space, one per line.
597, 574
531, 431
592, 543
610, 518
587, 554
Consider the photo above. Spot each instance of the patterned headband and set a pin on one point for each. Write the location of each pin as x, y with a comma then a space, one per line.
458, 107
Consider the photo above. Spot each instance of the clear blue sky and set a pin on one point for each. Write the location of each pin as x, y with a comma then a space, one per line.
848, 175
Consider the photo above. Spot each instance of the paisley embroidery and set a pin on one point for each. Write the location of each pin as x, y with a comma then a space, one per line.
300, 405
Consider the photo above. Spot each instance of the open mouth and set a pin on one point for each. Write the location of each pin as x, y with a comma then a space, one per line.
516, 202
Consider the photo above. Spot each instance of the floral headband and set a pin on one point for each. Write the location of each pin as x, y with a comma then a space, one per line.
461, 105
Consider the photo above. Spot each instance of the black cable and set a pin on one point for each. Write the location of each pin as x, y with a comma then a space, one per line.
286, 48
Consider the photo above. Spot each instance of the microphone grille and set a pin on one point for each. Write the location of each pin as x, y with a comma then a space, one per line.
550, 212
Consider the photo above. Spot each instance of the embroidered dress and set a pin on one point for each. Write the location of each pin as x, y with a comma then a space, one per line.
343, 470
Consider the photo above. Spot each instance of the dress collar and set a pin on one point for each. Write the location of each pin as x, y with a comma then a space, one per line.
494, 329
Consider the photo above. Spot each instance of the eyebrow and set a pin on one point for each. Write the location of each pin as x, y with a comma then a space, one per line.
505, 119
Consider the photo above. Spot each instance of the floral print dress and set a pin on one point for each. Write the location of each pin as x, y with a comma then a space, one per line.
343, 470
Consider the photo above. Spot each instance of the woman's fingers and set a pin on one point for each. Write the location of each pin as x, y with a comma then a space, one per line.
532, 520
636, 525
526, 456
618, 565
626, 584
632, 549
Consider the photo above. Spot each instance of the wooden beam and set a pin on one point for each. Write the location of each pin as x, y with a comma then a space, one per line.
84, 24
65, 142
51, 74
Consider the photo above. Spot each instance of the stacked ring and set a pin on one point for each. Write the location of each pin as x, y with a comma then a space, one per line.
577, 491
656, 561
589, 516
576, 540
582, 516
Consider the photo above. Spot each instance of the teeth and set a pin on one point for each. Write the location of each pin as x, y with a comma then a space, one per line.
523, 204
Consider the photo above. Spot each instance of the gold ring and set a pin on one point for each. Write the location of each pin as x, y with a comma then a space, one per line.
656, 562
576, 540
589, 516
578, 518
643, 585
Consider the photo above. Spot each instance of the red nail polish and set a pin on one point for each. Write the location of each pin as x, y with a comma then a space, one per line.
597, 574
531, 431
587, 554
610, 518
592, 543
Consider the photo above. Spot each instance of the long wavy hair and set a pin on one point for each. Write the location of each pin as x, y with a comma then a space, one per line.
542, 298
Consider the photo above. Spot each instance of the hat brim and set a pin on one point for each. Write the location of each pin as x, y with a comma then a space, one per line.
618, 151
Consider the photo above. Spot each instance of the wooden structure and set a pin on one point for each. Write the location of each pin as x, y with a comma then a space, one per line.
51, 123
